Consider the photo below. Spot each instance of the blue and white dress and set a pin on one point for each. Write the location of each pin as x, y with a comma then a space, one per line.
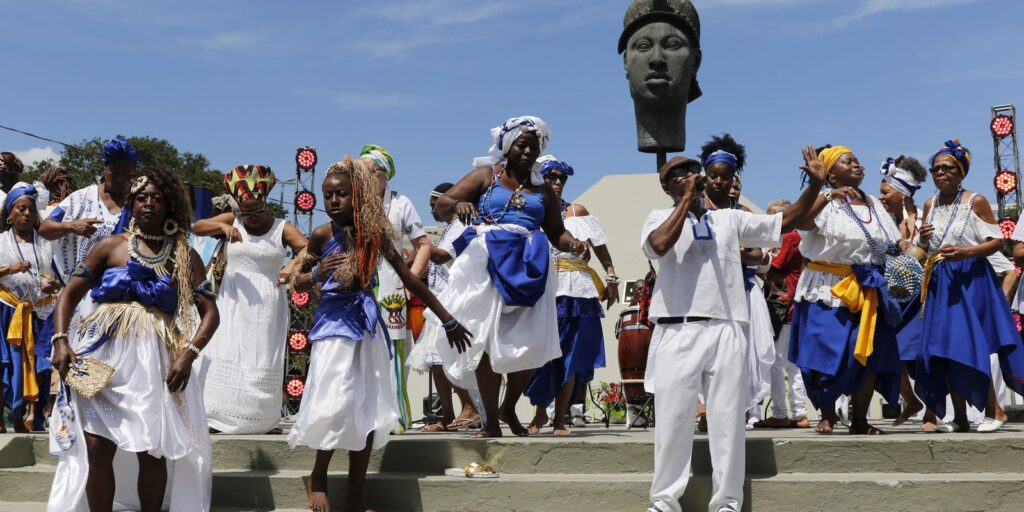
502, 288
579, 321
349, 392
130, 330
966, 317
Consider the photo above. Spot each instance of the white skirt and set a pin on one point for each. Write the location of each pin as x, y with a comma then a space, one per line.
761, 339
348, 395
138, 413
515, 338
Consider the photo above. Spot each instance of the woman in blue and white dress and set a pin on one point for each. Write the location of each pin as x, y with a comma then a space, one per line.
579, 296
966, 316
501, 286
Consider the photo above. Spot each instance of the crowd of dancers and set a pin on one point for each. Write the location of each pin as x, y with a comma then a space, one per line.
863, 295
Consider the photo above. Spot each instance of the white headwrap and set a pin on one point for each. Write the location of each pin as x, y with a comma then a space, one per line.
42, 196
507, 133
898, 178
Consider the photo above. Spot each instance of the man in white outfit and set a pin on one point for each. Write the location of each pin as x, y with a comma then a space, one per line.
699, 304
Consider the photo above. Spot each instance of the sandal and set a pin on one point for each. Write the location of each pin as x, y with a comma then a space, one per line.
774, 423
464, 423
435, 428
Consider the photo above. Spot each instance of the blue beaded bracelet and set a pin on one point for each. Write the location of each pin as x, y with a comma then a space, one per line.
450, 325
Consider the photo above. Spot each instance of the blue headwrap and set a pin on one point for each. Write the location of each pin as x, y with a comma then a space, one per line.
549, 163
119, 149
17, 192
957, 151
721, 156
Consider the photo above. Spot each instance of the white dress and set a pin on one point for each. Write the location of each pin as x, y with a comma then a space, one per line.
424, 354
242, 367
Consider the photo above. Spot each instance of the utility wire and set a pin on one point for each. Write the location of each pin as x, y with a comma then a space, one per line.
65, 144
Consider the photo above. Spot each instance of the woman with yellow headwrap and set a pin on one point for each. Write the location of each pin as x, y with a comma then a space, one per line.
966, 318
244, 366
840, 338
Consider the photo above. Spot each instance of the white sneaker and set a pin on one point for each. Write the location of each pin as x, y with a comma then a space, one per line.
990, 425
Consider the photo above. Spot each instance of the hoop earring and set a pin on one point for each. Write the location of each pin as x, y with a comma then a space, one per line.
170, 227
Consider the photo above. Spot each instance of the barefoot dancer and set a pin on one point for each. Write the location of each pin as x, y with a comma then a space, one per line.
844, 346
502, 285
579, 296
965, 315
700, 337
348, 402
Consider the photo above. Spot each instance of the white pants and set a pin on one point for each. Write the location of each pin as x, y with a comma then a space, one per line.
685, 358
780, 370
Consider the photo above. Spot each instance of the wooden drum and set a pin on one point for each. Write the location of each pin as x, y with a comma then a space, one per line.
634, 341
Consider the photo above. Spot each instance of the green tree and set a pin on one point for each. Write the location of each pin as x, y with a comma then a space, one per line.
85, 165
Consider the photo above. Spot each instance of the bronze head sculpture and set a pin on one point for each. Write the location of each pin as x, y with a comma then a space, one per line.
661, 46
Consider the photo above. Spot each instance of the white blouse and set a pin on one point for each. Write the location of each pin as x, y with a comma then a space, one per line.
958, 225
837, 238
577, 283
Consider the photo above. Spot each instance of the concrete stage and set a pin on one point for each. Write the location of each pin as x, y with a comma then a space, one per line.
601, 470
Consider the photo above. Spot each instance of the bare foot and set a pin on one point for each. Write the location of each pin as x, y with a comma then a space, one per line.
562, 432
907, 413
316, 492
929, 426
824, 427
487, 432
800, 423
864, 429
702, 423
540, 419
508, 415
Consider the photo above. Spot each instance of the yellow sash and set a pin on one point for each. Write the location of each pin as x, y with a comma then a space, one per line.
20, 334
929, 267
569, 265
856, 299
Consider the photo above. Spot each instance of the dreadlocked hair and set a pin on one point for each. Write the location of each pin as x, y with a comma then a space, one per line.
58, 183
179, 210
371, 226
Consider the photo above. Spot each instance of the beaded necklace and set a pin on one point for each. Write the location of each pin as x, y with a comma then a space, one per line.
35, 255
517, 199
157, 263
878, 252
956, 206
433, 269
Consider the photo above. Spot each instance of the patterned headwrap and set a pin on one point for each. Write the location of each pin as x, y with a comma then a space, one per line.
722, 156
507, 133
247, 182
898, 178
549, 163
119, 149
829, 156
381, 157
10, 163
961, 154
18, 191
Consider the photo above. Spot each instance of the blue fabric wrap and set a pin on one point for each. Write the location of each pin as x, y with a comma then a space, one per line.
582, 342
349, 314
136, 283
119, 149
722, 157
908, 331
531, 216
518, 265
18, 193
870, 276
821, 344
10, 359
57, 214
749, 274
556, 165
966, 320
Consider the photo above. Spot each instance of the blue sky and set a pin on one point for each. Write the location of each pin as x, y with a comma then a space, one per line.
248, 82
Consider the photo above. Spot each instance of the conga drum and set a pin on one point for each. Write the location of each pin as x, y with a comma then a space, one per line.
416, 320
634, 341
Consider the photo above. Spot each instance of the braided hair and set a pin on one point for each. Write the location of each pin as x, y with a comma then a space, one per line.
371, 224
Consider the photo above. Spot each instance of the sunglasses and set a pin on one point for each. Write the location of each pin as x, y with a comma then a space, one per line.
552, 177
252, 213
944, 169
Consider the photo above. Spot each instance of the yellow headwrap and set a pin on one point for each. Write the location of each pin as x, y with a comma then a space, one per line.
829, 156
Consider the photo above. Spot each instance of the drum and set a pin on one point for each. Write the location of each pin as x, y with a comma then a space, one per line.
634, 341
416, 320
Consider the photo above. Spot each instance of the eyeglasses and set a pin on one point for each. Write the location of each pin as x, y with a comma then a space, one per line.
944, 169
552, 177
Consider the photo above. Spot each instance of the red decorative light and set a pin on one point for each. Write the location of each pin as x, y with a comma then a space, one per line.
298, 340
1002, 126
305, 158
300, 299
1007, 227
1005, 181
295, 386
1016, 316
305, 201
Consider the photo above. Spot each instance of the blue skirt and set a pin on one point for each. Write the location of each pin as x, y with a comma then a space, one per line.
821, 343
966, 320
10, 358
909, 331
582, 341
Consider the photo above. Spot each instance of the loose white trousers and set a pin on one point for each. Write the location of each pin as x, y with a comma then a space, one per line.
782, 368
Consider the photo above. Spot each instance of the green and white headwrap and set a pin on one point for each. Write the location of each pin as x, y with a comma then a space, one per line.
381, 157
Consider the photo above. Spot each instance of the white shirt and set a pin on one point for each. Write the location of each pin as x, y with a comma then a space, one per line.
702, 276
81, 204
576, 283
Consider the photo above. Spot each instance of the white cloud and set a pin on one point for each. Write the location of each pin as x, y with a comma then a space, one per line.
224, 41
873, 7
437, 12
32, 155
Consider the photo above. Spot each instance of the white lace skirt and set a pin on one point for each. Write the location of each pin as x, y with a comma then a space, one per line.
138, 413
515, 338
348, 394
